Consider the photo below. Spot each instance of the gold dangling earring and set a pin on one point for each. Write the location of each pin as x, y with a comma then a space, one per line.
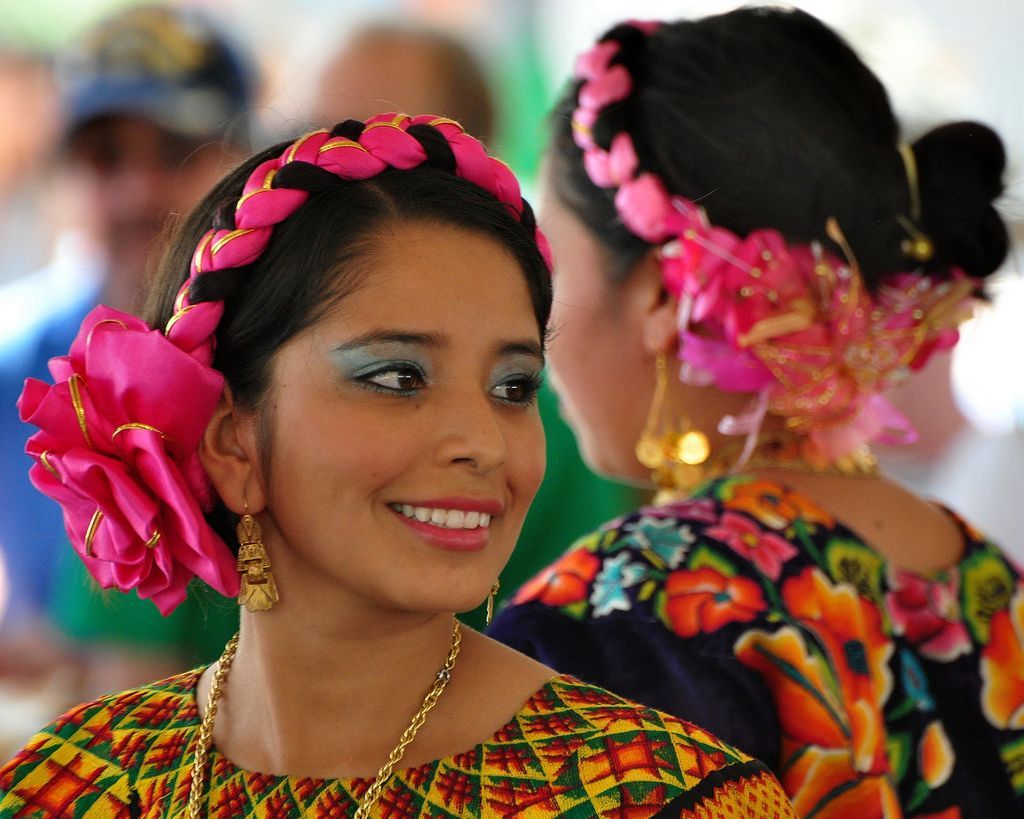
257, 591
490, 601
675, 456
650, 449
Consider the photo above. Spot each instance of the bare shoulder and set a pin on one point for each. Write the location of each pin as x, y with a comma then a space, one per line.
496, 668
909, 531
906, 529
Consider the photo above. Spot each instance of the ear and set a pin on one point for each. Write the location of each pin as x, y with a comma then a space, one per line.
656, 309
229, 453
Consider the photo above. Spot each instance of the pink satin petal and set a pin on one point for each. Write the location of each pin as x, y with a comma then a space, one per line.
731, 371
592, 63
644, 206
622, 161
595, 161
612, 86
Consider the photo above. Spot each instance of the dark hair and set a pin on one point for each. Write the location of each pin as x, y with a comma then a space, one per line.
321, 253
767, 118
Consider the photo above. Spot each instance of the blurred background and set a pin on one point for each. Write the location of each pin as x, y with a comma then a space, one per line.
939, 59
316, 61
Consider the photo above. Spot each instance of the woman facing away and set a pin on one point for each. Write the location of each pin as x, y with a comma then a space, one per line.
747, 257
350, 332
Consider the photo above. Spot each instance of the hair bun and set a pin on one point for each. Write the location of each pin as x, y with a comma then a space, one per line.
960, 174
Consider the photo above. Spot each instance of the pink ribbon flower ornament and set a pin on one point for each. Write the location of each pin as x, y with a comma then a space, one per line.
117, 448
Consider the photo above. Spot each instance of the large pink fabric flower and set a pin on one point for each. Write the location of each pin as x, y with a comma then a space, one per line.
765, 550
927, 614
117, 448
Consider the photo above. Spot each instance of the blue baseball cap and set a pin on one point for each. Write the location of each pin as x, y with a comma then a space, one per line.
169, 66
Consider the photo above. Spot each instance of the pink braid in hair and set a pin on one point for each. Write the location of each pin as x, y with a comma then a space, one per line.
119, 430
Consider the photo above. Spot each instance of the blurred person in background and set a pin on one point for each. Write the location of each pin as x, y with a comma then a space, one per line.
747, 256
28, 129
155, 104
409, 67
406, 67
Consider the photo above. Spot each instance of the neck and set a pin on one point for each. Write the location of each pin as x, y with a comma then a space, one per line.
307, 696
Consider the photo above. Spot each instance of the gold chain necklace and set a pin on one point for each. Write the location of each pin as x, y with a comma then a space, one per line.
204, 742
774, 450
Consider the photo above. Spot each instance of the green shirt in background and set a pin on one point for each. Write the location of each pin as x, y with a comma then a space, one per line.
195, 632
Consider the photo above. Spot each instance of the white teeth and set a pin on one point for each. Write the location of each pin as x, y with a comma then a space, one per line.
447, 518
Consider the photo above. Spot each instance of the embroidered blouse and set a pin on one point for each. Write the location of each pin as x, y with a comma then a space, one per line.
572, 750
871, 691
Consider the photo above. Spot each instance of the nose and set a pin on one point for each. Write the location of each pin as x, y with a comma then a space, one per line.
471, 432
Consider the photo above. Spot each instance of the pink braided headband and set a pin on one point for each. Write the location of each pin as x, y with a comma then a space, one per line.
119, 429
792, 324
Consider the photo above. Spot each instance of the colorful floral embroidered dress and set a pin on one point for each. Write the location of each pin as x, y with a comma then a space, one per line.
573, 750
871, 691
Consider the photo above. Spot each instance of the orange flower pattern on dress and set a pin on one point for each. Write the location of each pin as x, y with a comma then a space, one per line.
935, 755
777, 626
822, 784
773, 505
830, 697
849, 630
705, 600
564, 582
1002, 666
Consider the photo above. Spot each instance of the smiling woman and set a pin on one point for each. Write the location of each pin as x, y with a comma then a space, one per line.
342, 377
410, 394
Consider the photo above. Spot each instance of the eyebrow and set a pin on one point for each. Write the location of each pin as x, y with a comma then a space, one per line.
527, 348
434, 340
391, 337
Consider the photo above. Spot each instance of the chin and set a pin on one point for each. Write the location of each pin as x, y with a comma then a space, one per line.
454, 595
611, 465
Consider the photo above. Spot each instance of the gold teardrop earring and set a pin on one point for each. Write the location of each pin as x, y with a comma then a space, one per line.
675, 454
257, 590
490, 601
